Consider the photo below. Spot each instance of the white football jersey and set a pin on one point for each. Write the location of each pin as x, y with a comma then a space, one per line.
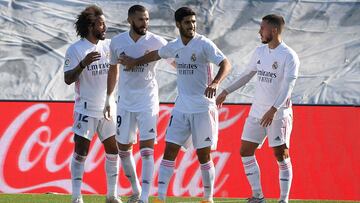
272, 66
194, 71
90, 88
137, 88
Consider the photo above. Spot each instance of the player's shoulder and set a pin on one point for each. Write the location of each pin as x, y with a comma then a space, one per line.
202, 39
174, 43
120, 36
76, 45
151, 35
261, 47
154, 37
288, 51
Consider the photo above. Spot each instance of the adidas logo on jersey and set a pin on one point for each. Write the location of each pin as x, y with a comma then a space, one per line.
208, 139
258, 62
152, 130
277, 138
177, 56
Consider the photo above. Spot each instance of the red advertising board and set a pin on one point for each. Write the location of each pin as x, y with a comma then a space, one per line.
36, 147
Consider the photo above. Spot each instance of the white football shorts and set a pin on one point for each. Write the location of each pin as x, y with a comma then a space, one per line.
86, 126
202, 127
128, 123
278, 132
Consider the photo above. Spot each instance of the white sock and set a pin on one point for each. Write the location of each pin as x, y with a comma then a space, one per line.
128, 164
208, 178
147, 157
77, 171
112, 171
285, 178
252, 172
166, 170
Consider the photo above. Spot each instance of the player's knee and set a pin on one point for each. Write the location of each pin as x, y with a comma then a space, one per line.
203, 155
170, 155
81, 150
147, 143
111, 149
110, 145
124, 147
79, 158
81, 145
246, 152
204, 158
281, 154
171, 151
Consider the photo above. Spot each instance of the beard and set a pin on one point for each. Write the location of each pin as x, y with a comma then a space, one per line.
139, 30
267, 39
99, 35
184, 32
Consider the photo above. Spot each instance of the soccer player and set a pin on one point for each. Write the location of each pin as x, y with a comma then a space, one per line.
138, 101
195, 111
87, 64
276, 66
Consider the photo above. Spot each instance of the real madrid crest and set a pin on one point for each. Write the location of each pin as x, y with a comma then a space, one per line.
275, 65
193, 57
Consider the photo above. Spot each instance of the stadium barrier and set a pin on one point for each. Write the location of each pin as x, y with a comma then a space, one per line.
36, 147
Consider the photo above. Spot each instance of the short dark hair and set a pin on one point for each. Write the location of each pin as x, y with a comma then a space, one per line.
134, 8
182, 12
275, 20
87, 18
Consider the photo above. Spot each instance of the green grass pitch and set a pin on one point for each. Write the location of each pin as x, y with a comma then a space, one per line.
56, 198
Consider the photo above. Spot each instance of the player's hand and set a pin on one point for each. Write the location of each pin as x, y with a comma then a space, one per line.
127, 61
210, 91
91, 57
107, 107
268, 117
221, 98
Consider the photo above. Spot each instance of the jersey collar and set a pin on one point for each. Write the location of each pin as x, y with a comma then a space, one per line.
140, 39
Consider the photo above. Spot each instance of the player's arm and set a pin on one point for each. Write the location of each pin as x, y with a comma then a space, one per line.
129, 62
224, 70
73, 74
112, 78
244, 78
287, 86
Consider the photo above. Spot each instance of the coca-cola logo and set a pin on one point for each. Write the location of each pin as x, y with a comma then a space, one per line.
36, 150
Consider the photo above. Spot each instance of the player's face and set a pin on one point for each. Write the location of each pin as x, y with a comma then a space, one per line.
139, 22
266, 32
99, 29
187, 26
